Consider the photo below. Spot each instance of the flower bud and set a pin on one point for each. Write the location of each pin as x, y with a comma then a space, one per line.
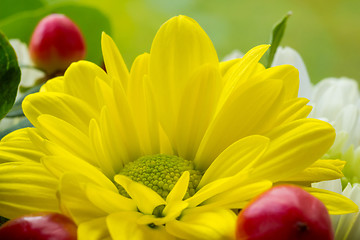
55, 43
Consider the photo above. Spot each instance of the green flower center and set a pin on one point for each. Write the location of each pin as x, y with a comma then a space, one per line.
160, 173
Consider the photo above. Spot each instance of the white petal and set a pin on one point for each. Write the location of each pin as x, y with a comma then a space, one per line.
287, 55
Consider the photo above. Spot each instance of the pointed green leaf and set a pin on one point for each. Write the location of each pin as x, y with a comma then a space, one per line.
9, 76
277, 34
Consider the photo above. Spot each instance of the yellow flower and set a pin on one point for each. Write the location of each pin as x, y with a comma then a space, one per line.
166, 150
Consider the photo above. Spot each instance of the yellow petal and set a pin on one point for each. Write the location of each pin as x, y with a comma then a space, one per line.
60, 105
58, 165
294, 109
170, 213
143, 106
235, 158
123, 225
81, 74
244, 113
73, 197
335, 203
53, 85
240, 72
196, 110
237, 198
67, 136
207, 225
94, 229
26, 188
225, 66
115, 65
289, 74
218, 186
17, 147
179, 190
146, 199
179, 47
116, 122
101, 150
293, 147
321, 170
109, 201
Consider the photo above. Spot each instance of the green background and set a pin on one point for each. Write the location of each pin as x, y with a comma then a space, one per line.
325, 33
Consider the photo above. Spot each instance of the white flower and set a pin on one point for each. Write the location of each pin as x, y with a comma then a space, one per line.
335, 100
287, 55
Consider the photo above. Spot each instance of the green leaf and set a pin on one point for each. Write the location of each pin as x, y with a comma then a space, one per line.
9, 76
16, 110
277, 34
10, 7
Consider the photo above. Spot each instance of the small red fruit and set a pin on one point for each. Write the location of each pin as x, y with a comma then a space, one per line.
56, 43
285, 212
39, 226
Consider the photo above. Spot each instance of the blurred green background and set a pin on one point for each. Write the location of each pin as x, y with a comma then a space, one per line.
325, 32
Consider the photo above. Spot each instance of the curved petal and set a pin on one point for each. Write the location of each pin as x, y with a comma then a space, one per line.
179, 47
53, 85
81, 74
293, 147
335, 203
207, 225
18, 147
196, 110
219, 186
146, 199
143, 106
59, 165
116, 122
179, 190
226, 65
244, 113
74, 200
287, 73
123, 225
293, 109
235, 158
236, 197
93, 230
26, 188
109, 201
63, 106
321, 170
115, 65
240, 72
67, 136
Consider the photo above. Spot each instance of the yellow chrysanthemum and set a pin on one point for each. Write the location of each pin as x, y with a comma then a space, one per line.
167, 150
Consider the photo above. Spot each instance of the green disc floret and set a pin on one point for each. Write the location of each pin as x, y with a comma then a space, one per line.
160, 172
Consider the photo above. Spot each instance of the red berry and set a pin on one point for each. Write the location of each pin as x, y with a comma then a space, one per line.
282, 213
56, 43
39, 226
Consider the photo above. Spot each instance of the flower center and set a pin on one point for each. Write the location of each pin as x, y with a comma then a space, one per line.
160, 173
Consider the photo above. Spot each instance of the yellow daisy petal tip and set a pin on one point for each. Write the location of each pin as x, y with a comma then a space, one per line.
105, 37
